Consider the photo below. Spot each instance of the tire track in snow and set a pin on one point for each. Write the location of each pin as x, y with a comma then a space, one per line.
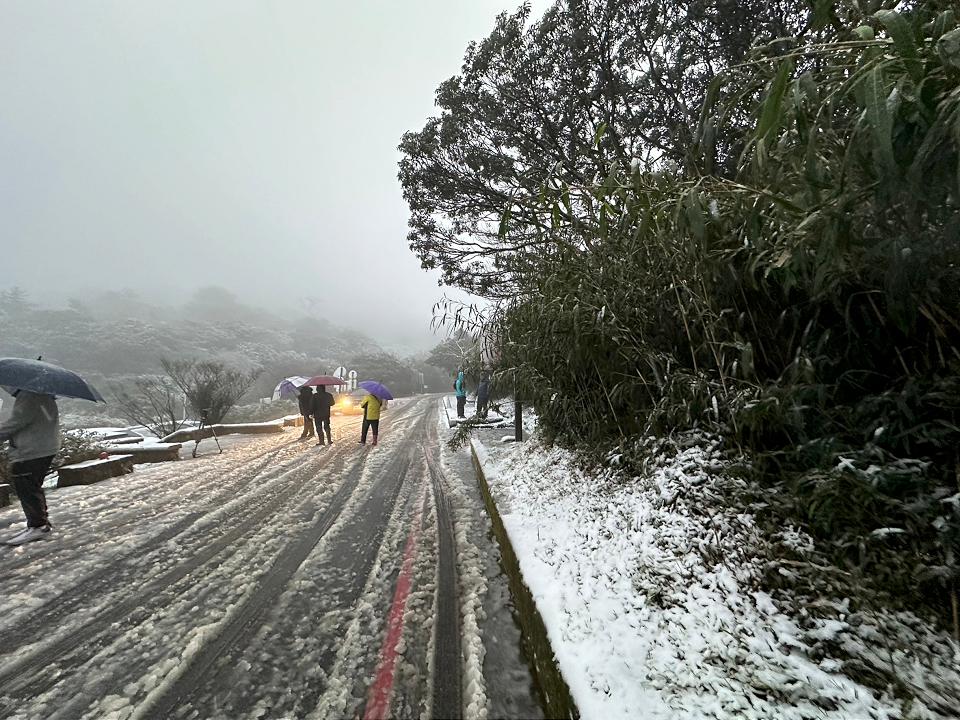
164, 494
215, 469
29, 669
180, 696
25, 673
343, 690
447, 660
381, 690
44, 551
90, 587
167, 670
353, 548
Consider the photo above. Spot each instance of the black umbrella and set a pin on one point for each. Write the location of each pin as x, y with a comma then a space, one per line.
41, 377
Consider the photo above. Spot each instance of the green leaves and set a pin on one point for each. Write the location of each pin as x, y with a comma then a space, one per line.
597, 136
771, 112
879, 120
695, 215
901, 32
781, 282
948, 48
504, 227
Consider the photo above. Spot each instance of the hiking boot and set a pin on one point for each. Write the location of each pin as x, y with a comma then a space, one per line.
374, 439
29, 535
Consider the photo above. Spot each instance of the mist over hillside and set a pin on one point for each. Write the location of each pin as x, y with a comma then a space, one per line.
115, 337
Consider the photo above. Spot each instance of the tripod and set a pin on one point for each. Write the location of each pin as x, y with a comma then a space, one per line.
205, 425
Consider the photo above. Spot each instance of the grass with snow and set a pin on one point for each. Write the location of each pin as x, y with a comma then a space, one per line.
656, 592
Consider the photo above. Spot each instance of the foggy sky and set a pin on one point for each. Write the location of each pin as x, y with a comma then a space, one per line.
167, 145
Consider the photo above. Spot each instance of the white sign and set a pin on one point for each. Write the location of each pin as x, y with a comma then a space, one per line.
352, 382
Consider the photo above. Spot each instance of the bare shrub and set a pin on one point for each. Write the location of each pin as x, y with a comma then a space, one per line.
157, 404
212, 388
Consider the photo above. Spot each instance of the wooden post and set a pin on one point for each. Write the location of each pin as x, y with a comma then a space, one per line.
518, 421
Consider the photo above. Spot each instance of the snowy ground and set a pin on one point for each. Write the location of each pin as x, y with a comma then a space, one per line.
495, 666
650, 591
449, 408
256, 583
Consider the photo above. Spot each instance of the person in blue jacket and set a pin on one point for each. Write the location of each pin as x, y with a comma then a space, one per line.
460, 386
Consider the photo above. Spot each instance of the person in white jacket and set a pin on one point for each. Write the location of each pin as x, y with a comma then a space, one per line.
33, 434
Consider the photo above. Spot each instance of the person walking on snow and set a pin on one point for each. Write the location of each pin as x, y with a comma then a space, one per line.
371, 417
483, 395
460, 386
305, 401
322, 402
33, 433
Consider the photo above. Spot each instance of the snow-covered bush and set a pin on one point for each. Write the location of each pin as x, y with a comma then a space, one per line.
791, 287
77, 446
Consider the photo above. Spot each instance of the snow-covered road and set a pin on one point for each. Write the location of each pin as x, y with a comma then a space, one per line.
279, 579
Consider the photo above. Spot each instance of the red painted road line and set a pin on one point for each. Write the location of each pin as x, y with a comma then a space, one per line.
381, 691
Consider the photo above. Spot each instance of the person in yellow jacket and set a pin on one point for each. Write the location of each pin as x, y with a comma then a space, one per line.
371, 418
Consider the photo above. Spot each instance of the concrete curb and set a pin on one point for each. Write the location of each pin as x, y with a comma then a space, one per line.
556, 692
446, 412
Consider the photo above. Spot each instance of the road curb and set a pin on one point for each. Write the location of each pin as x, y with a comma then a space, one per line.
556, 692
446, 412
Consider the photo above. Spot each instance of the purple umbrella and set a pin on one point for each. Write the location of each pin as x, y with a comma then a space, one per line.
376, 389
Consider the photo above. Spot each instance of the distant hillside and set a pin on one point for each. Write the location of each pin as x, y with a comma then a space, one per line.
114, 338
134, 346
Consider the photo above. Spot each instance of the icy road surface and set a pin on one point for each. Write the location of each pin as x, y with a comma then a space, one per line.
277, 580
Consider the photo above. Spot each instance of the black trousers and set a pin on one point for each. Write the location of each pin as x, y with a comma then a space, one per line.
461, 405
307, 427
368, 424
482, 407
28, 478
322, 424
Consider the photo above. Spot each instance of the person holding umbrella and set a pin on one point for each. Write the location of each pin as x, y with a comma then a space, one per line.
33, 432
377, 395
322, 402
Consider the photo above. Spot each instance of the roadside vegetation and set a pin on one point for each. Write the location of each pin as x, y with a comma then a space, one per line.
733, 218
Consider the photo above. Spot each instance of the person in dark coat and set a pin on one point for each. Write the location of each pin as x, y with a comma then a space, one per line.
305, 401
483, 395
33, 434
322, 402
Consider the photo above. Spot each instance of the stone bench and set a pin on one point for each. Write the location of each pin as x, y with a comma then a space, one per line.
125, 440
92, 471
194, 435
266, 428
293, 421
158, 452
